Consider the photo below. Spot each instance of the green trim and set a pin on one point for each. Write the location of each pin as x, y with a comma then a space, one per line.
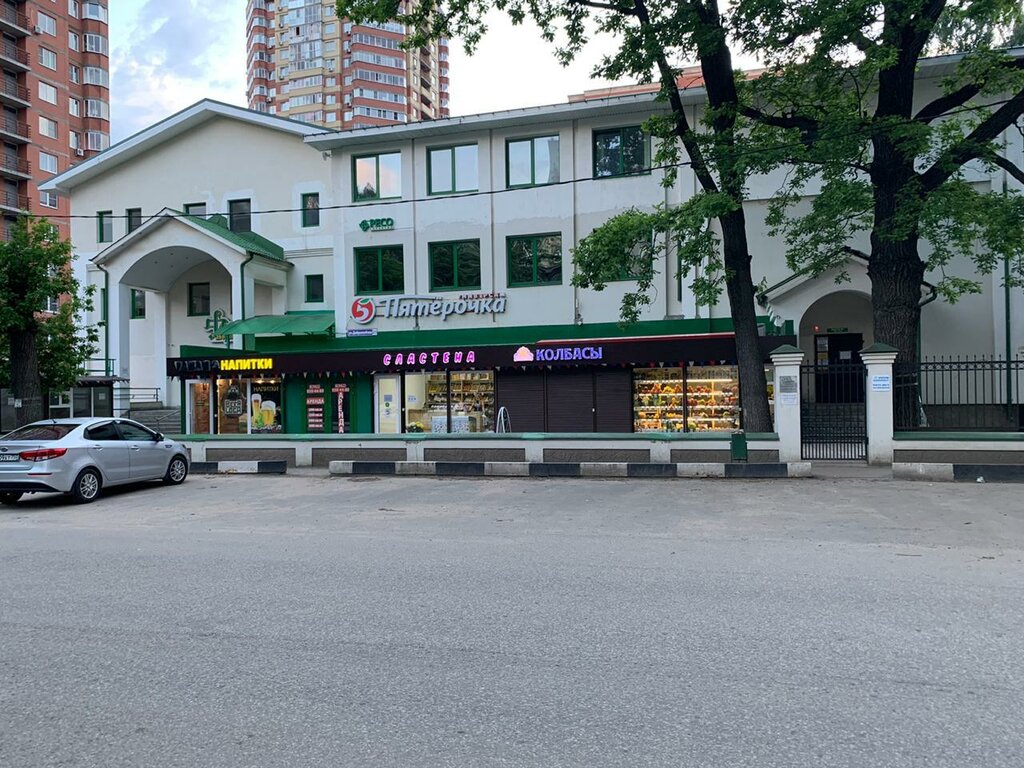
232, 216
379, 251
533, 161
966, 437
321, 299
359, 198
138, 302
104, 226
308, 211
622, 172
454, 245
450, 148
416, 437
187, 209
132, 219
316, 322
534, 240
191, 288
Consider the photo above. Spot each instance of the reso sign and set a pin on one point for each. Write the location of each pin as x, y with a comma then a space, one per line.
364, 310
377, 225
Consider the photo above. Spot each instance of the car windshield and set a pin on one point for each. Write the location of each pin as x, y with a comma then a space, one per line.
53, 431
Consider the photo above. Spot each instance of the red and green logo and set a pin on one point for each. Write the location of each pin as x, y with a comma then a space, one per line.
363, 310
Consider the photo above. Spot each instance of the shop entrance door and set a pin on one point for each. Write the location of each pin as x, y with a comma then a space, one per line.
198, 413
387, 403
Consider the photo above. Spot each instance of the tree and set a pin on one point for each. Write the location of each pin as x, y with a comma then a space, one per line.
44, 352
651, 34
844, 99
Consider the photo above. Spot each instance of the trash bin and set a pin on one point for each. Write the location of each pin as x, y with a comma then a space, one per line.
738, 446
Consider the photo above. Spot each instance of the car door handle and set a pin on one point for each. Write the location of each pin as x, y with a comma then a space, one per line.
135, 447
97, 447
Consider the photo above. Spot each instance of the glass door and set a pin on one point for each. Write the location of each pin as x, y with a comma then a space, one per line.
199, 415
387, 400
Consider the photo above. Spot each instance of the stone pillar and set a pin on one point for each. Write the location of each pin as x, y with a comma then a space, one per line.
878, 359
157, 310
787, 360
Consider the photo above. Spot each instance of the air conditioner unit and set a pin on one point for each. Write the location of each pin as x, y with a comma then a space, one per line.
80, 152
38, 30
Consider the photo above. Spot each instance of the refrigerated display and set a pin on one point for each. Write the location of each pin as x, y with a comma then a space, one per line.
658, 400
712, 398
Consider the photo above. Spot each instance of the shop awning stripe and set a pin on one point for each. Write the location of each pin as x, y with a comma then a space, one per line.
320, 322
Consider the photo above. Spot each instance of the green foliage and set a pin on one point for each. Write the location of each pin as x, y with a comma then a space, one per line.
35, 267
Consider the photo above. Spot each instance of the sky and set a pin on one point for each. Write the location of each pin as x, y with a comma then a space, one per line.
168, 54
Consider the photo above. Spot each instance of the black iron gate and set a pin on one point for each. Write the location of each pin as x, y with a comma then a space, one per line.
833, 422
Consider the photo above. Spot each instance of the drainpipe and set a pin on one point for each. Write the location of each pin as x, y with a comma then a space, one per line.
241, 279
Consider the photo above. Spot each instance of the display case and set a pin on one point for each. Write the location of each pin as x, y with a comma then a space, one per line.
658, 400
712, 398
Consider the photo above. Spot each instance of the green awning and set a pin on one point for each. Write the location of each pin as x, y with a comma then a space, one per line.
314, 322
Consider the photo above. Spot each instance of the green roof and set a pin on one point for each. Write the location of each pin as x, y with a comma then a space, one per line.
313, 322
249, 241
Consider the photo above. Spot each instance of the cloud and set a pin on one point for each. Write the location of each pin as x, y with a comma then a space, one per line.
168, 54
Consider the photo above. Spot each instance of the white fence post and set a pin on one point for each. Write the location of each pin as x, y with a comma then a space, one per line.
787, 360
879, 358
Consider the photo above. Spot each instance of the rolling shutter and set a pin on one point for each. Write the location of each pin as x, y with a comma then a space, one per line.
522, 394
570, 401
614, 398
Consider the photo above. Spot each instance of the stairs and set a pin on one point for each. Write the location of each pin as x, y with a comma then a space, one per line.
167, 420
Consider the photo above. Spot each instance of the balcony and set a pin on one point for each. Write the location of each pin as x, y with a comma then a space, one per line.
12, 22
14, 94
12, 201
15, 131
13, 57
16, 167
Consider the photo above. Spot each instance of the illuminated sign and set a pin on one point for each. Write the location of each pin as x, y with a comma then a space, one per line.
557, 354
247, 364
377, 225
442, 357
364, 310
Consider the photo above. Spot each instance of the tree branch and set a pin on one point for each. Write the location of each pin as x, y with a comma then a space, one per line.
803, 124
922, 25
960, 96
615, 8
851, 251
973, 145
1008, 166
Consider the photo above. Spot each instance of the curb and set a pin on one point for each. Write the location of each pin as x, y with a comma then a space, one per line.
572, 469
959, 473
238, 467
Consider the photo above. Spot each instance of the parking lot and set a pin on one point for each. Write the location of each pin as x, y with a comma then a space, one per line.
303, 620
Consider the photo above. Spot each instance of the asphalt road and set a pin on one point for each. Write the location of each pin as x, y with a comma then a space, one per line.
305, 621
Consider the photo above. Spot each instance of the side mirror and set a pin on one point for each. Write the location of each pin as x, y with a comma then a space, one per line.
158, 437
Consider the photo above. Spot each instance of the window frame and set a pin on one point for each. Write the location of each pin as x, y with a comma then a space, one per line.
379, 249
307, 210
132, 219
533, 161
621, 173
536, 239
191, 292
104, 226
187, 210
322, 298
138, 307
454, 244
450, 148
358, 198
232, 215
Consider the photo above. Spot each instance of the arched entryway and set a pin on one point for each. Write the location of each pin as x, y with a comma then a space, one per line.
835, 326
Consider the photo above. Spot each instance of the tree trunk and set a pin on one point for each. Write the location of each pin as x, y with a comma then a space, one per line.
740, 288
25, 382
896, 273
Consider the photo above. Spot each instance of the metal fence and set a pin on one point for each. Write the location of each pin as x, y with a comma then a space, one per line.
956, 394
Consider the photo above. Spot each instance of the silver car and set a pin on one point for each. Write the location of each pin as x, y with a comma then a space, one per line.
79, 457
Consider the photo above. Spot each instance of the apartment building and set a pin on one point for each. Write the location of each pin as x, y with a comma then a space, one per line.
306, 64
55, 96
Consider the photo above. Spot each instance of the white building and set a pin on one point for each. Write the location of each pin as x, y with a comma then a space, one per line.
341, 253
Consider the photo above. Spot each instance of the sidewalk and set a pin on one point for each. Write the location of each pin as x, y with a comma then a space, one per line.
847, 470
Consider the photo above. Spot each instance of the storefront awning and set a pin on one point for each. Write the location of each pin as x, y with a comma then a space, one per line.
261, 325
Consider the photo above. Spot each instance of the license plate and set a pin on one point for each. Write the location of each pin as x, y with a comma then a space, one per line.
8, 457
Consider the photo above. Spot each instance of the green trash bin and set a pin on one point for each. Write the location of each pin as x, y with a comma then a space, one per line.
738, 446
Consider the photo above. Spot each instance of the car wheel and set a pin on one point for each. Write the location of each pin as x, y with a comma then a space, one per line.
177, 471
10, 498
87, 486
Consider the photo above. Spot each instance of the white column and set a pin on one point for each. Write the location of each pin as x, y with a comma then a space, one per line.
787, 360
878, 358
157, 310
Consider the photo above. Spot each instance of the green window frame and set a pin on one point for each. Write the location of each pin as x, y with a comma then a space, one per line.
133, 219
454, 265
314, 289
453, 169
367, 176
104, 226
198, 299
240, 215
622, 151
195, 209
379, 270
518, 148
138, 304
534, 260
311, 209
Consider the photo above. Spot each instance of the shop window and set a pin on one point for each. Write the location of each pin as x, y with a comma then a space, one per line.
452, 169
377, 177
264, 413
314, 289
535, 260
105, 226
311, 210
133, 216
379, 270
697, 399
530, 162
138, 304
456, 402
455, 266
198, 299
621, 152
240, 215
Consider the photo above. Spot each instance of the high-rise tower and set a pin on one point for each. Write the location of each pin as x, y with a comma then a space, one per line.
306, 64
55, 97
